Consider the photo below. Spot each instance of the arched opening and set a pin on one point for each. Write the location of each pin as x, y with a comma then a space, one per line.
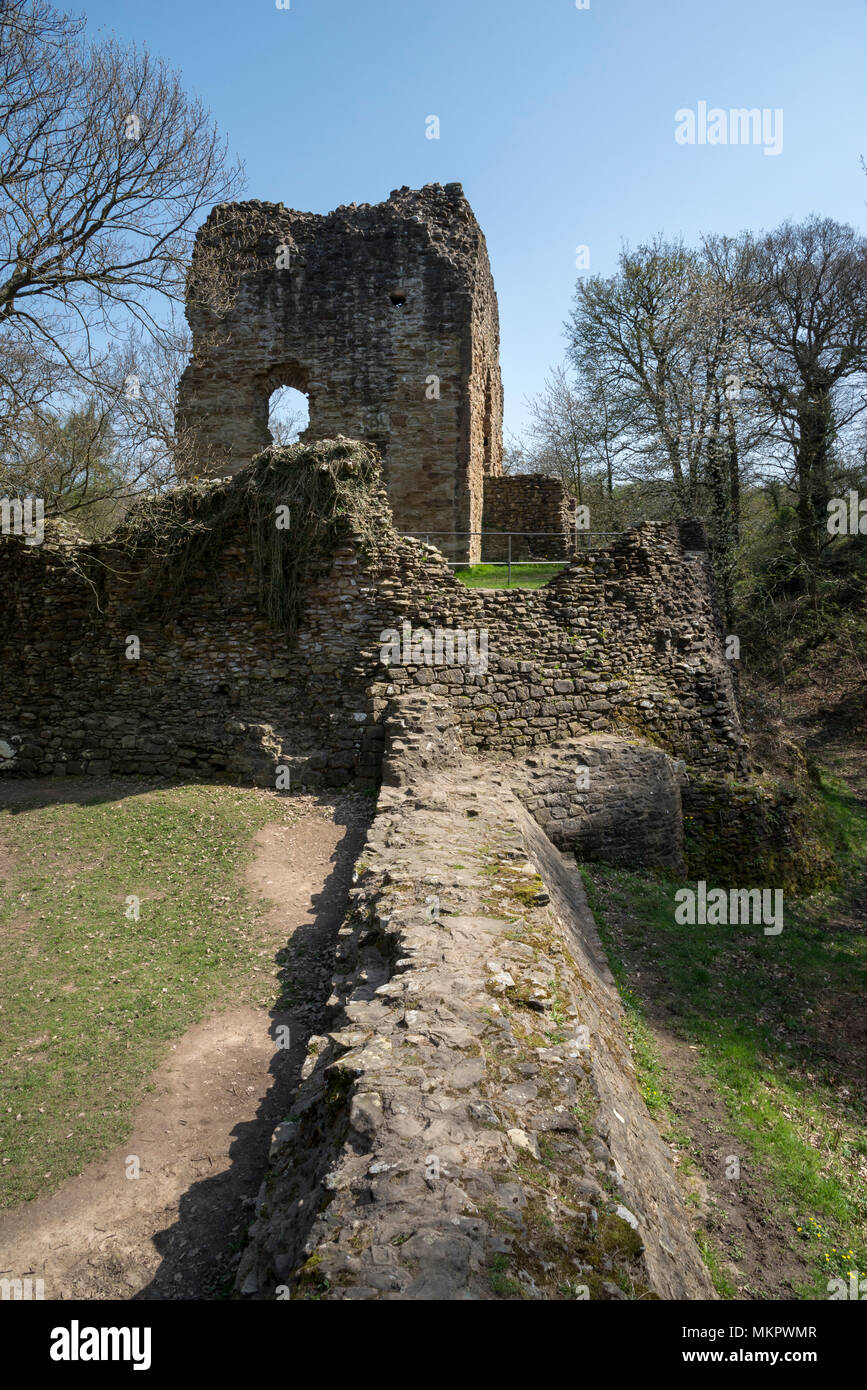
288, 414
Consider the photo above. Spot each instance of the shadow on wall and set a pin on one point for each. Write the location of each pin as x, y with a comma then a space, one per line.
18, 796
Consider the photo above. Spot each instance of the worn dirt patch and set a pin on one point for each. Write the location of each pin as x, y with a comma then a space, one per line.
201, 1138
99, 1236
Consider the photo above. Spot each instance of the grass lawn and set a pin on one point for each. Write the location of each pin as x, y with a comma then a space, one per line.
774, 1024
496, 576
89, 997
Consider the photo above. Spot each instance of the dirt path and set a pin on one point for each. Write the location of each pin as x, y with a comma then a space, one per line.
759, 1257
202, 1136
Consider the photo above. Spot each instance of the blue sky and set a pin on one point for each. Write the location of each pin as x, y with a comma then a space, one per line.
558, 122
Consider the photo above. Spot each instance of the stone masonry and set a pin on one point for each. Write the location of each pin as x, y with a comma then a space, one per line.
469, 1126
622, 639
523, 504
386, 316
624, 642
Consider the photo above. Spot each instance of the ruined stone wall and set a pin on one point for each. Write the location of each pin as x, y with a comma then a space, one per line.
385, 315
469, 1124
525, 503
625, 642
215, 692
623, 639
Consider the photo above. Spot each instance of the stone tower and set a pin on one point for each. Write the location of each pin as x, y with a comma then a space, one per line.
384, 315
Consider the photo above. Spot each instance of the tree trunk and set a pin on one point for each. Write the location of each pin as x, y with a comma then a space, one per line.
812, 456
721, 519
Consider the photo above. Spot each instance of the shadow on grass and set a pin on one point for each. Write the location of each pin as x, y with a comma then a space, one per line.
220, 1208
777, 1024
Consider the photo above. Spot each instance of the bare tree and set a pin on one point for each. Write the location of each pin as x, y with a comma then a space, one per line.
632, 329
139, 393
516, 457
105, 168
285, 419
559, 430
661, 351
577, 430
810, 358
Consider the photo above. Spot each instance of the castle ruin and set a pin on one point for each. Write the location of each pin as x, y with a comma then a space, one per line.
385, 316
603, 723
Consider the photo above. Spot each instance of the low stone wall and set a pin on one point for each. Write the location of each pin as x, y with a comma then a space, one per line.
523, 503
215, 691
625, 639
471, 1126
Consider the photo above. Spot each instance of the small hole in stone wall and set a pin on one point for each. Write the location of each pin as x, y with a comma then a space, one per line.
288, 414
398, 298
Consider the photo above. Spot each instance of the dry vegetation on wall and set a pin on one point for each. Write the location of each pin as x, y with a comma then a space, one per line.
319, 492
